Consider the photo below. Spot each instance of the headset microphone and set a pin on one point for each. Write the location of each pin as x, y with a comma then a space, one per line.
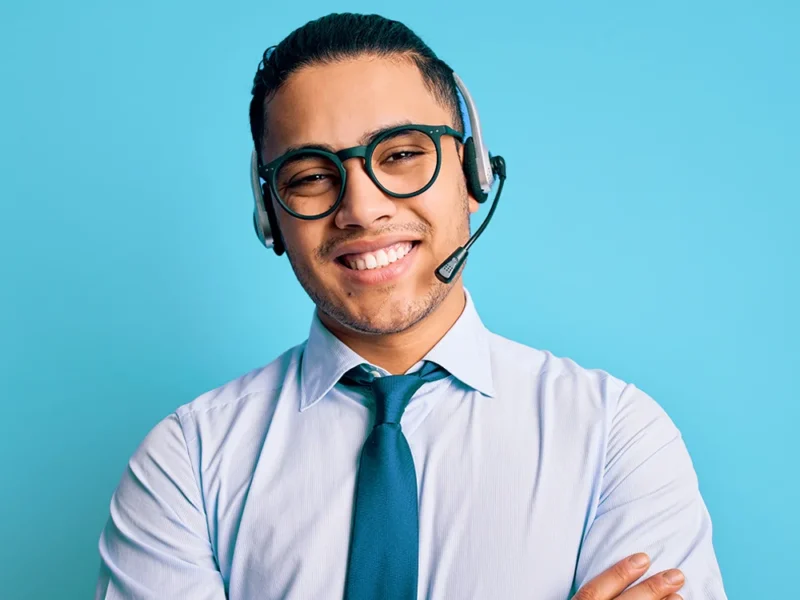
450, 267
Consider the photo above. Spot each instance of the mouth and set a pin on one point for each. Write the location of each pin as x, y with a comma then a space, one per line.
380, 265
377, 259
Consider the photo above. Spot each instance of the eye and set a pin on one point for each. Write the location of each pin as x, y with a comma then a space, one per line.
402, 155
308, 179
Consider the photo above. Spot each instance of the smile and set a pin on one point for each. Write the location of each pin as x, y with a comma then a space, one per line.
377, 259
379, 266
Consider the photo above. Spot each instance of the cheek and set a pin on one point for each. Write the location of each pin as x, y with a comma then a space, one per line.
445, 205
302, 238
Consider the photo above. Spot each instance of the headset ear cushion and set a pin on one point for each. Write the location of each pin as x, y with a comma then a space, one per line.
471, 171
277, 239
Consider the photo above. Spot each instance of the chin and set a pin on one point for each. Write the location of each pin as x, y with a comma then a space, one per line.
385, 312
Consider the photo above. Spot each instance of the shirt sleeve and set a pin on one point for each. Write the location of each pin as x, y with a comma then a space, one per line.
650, 502
155, 543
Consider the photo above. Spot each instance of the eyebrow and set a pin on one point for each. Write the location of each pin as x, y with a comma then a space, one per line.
364, 140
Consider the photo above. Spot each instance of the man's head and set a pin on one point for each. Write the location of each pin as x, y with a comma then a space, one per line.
332, 84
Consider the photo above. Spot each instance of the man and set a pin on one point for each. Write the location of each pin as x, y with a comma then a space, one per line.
403, 450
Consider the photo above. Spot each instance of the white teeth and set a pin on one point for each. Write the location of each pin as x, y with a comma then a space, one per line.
379, 258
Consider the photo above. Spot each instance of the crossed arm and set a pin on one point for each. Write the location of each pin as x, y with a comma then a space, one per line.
650, 503
156, 542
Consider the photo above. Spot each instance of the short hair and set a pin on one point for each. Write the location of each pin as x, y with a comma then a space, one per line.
340, 36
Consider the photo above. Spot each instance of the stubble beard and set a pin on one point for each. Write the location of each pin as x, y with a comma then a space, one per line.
402, 317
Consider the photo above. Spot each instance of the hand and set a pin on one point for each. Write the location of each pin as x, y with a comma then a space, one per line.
610, 584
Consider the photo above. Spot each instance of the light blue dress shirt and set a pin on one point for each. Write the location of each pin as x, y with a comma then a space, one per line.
534, 475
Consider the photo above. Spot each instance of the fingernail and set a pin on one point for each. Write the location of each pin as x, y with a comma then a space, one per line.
639, 560
673, 577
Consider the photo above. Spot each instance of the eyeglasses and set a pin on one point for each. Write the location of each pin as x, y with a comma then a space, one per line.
404, 161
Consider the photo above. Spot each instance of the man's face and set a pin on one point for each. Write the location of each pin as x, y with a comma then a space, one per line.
337, 105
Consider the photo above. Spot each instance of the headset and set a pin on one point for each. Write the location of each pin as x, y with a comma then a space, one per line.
480, 169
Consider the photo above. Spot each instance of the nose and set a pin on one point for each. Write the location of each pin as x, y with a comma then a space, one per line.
363, 204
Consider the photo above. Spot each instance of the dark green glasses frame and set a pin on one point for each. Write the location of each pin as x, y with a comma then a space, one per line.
269, 171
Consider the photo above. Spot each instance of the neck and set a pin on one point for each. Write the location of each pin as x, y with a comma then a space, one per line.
398, 352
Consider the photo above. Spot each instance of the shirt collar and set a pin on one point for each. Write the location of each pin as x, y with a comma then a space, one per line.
463, 351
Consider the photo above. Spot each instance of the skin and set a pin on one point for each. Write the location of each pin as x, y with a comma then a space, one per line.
392, 324
395, 324
612, 583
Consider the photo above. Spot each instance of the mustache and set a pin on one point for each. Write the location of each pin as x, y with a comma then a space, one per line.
329, 247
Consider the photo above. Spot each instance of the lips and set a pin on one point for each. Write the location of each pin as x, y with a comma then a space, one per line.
373, 244
376, 259
377, 266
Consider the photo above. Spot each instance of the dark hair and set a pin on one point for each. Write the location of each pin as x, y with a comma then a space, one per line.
345, 35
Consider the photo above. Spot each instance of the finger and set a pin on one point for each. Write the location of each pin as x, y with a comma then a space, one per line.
609, 584
674, 597
658, 587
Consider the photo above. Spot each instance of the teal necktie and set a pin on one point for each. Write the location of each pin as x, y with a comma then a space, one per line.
384, 545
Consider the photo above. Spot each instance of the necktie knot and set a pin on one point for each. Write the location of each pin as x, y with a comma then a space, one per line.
393, 392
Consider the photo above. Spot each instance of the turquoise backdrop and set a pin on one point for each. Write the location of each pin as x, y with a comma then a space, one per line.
648, 228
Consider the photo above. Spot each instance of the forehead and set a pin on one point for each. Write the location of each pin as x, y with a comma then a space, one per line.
338, 103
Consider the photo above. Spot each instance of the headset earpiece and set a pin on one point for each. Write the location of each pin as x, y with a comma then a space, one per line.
265, 221
471, 171
277, 239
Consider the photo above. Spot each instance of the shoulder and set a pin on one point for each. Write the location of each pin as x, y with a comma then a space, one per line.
563, 381
257, 384
561, 374
240, 405
232, 404
580, 400
178, 447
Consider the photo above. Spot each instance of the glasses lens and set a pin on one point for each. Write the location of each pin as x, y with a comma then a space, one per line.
308, 184
405, 162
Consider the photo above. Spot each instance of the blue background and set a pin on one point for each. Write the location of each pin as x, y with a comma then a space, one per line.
648, 228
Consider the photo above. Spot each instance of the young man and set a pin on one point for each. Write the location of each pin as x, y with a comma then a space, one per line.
403, 450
